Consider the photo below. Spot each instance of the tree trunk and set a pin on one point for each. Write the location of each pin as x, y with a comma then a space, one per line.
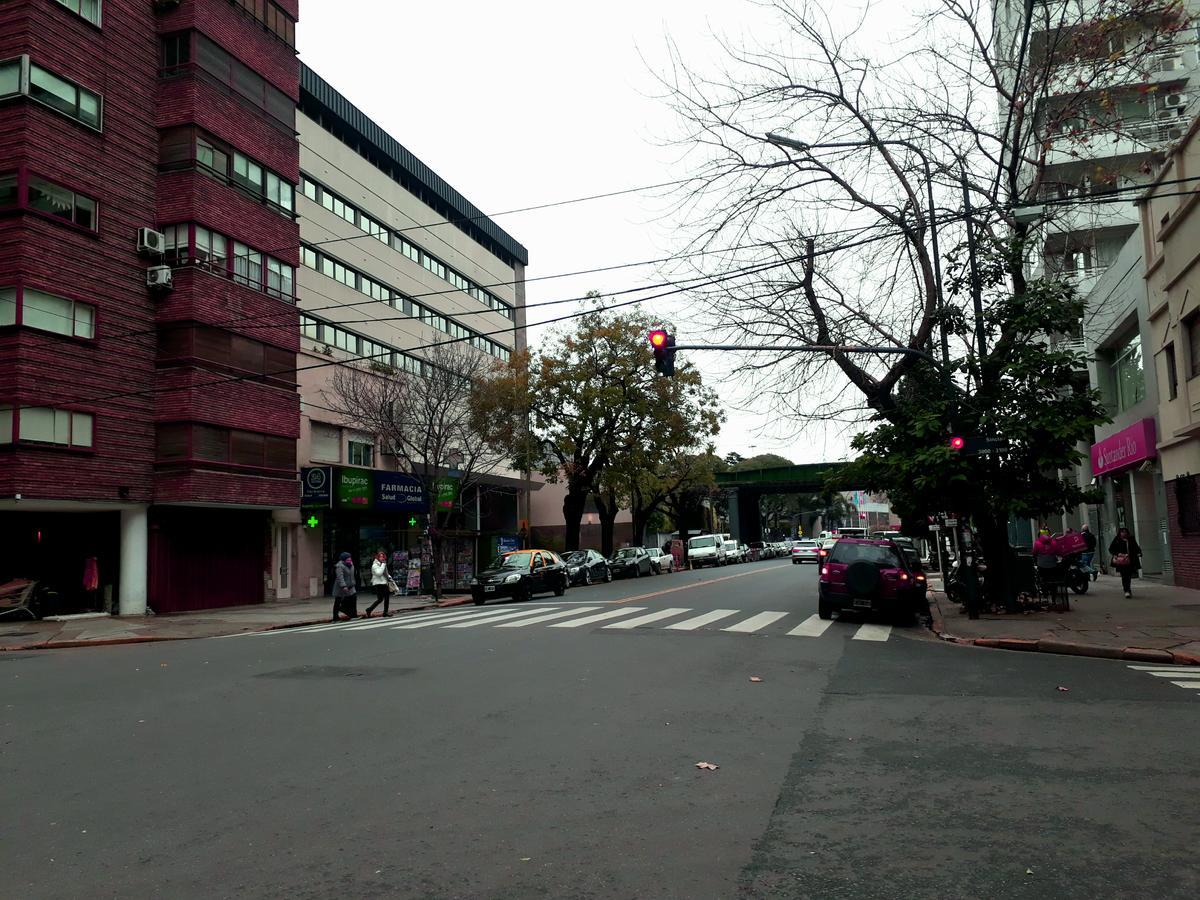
573, 506
607, 508
993, 542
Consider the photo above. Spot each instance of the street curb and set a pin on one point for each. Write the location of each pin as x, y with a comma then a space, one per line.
152, 639
1062, 648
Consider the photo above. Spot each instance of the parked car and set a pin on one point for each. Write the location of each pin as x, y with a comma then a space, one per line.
706, 550
520, 575
631, 562
760, 550
780, 548
868, 576
805, 551
733, 553
661, 562
587, 567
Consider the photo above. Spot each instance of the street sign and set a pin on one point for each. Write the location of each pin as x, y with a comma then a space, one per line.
935, 527
952, 523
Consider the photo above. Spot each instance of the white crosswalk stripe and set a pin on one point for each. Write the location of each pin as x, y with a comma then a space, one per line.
755, 623
676, 619
705, 619
871, 632
561, 614
599, 617
813, 626
648, 618
1186, 677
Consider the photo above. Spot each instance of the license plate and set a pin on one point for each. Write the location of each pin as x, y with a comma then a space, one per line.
489, 590
865, 604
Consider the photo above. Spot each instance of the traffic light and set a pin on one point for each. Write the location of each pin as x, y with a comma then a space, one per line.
957, 442
663, 343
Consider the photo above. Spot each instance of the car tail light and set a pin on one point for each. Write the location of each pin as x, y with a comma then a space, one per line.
920, 577
824, 570
904, 576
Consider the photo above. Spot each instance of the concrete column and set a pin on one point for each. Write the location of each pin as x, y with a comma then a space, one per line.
1144, 516
735, 515
135, 561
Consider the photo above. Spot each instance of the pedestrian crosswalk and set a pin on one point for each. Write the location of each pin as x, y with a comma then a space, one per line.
1186, 677
603, 618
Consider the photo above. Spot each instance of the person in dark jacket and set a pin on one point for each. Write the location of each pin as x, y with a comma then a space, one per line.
345, 588
1123, 553
1087, 558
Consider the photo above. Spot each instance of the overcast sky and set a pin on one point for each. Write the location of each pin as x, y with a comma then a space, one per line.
533, 102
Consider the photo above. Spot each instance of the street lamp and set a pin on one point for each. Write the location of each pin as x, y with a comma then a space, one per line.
930, 218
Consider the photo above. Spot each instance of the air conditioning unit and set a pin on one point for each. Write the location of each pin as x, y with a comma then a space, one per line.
1170, 64
151, 242
1177, 101
1175, 133
158, 278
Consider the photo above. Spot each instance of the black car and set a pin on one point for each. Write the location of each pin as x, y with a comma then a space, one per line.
520, 575
631, 562
587, 567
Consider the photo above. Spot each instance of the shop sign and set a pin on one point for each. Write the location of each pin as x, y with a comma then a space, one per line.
354, 488
316, 487
447, 492
395, 491
505, 544
1126, 448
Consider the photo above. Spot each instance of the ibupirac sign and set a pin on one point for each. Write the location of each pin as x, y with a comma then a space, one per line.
1126, 448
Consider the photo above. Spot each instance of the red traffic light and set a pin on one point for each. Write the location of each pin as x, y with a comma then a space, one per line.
957, 442
658, 338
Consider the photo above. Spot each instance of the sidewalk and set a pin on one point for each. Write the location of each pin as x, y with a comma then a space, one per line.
1160, 624
22, 634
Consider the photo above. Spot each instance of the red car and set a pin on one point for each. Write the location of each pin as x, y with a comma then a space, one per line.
870, 577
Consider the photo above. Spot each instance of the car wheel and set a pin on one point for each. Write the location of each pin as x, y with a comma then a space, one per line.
637, 571
587, 576
607, 575
824, 609
478, 601
524, 595
562, 587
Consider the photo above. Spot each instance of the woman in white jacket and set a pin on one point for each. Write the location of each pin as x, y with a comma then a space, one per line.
379, 583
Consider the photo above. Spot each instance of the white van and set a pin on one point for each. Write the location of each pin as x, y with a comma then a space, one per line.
706, 550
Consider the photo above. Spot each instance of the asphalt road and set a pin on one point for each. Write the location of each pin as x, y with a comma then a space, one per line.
524, 756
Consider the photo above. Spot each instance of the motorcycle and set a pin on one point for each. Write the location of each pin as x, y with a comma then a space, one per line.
1077, 576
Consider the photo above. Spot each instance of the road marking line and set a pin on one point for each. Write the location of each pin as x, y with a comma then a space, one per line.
648, 618
367, 624
510, 614
1187, 684
813, 626
688, 587
873, 632
697, 621
1175, 674
1180, 670
562, 614
452, 617
599, 617
754, 623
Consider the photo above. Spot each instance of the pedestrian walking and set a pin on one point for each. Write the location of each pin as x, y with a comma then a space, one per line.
1089, 554
381, 584
345, 588
1123, 554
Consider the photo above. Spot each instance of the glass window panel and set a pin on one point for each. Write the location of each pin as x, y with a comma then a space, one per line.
52, 90
37, 424
10, 77
47, 312
85, 321
308, 257
81, 430
85, 212
6, 424
90, 10
8, 190
8, 306
89, 108
50, 198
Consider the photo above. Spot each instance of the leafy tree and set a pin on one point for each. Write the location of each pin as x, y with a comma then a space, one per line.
589, 403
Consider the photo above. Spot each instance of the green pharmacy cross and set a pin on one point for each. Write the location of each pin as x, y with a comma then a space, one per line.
412, 521
313, 522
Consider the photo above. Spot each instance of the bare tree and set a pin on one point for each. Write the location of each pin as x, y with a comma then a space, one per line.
422, 415
953, 96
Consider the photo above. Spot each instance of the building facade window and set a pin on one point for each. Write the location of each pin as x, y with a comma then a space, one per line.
272, 17
88, 9
180, 148
21, 76
332, 268
32, 308
193, 442
45, 425
360, 453
61, 202
196, 245
1192, 326
371, 351
318, 193
9, 184
1128, 375
1172, 371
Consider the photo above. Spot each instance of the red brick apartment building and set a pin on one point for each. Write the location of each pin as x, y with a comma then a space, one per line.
148, 419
